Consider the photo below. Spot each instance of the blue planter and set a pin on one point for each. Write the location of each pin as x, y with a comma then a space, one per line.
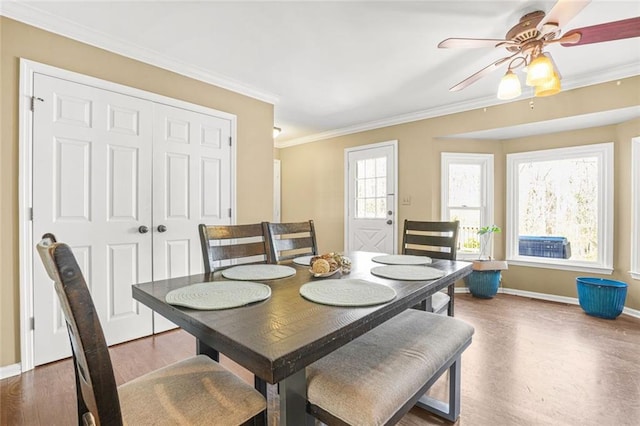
483, 284
601, 298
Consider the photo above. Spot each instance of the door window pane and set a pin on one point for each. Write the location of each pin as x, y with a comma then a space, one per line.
371, 184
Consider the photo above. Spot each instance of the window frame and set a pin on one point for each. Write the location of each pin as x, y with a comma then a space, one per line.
635, 208
486, 163
604, 153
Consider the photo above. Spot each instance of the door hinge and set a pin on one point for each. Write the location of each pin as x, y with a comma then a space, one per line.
229, 140
32, 323
30, 213
33, 101
229, 212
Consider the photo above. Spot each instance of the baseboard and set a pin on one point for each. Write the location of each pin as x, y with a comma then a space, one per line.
550, 297
10, 371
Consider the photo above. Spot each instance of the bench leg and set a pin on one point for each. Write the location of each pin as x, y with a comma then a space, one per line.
450, 410
451, 291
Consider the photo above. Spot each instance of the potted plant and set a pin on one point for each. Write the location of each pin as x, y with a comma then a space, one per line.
484, 281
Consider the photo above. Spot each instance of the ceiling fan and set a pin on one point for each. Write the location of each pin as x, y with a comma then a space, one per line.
526, 41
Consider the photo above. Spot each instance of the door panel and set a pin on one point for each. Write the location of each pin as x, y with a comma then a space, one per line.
371, 199
192, 181
92, 189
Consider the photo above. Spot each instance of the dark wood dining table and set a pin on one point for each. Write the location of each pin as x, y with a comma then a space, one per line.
277, 338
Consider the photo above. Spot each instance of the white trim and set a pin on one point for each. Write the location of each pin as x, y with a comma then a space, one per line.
560, 264
27, 70
277, 190
24, 12
635, 208
604, 152
394, 145
10, 371
550, 297
485, 161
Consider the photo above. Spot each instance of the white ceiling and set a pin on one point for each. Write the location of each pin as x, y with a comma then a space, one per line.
333, 68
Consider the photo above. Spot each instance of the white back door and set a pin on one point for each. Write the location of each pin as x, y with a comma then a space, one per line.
370, 192
92, 189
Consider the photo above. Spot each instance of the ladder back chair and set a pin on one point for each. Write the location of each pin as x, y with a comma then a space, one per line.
438, 240
242, 243
191, 391
290, 240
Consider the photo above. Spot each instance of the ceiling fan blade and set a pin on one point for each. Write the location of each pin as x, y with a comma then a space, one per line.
563, 12
470, 43
617, 30
484, 71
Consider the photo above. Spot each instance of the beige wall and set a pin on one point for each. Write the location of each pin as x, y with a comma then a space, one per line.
254, 140
313, 178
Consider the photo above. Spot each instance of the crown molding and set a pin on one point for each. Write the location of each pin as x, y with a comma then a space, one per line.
28, 14
624, 71
391, 121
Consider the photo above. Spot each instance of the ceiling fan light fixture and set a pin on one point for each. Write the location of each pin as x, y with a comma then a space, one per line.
550, 88
509, 87
539, 71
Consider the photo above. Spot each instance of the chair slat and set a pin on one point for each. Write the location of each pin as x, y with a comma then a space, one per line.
290, 240
236, 251
441, 234
232, 242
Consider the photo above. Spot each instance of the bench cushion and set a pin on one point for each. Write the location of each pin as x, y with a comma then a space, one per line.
367, 381
196, 391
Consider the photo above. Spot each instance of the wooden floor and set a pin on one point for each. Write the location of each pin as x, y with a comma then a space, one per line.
531, 363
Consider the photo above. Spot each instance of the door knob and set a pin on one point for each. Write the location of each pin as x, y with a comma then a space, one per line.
389, 222
162, 228
143, 229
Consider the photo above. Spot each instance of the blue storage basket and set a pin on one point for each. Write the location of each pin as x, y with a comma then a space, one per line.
600, 297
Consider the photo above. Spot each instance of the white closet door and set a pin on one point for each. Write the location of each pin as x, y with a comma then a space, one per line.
192, 185
92, 189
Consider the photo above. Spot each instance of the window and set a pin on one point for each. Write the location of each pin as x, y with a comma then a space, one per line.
560, 208
371, 188
635, 209
467, 196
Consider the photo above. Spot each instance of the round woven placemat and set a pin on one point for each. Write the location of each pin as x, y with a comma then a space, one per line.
258, 272
349, 292
402, 259
218, 295
407, 272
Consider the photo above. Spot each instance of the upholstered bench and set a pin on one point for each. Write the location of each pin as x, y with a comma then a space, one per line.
377, 378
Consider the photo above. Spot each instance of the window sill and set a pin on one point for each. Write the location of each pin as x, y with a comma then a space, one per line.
560, 265
635, 275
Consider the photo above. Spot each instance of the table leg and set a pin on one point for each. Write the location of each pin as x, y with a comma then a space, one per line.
203, 349
293, 400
